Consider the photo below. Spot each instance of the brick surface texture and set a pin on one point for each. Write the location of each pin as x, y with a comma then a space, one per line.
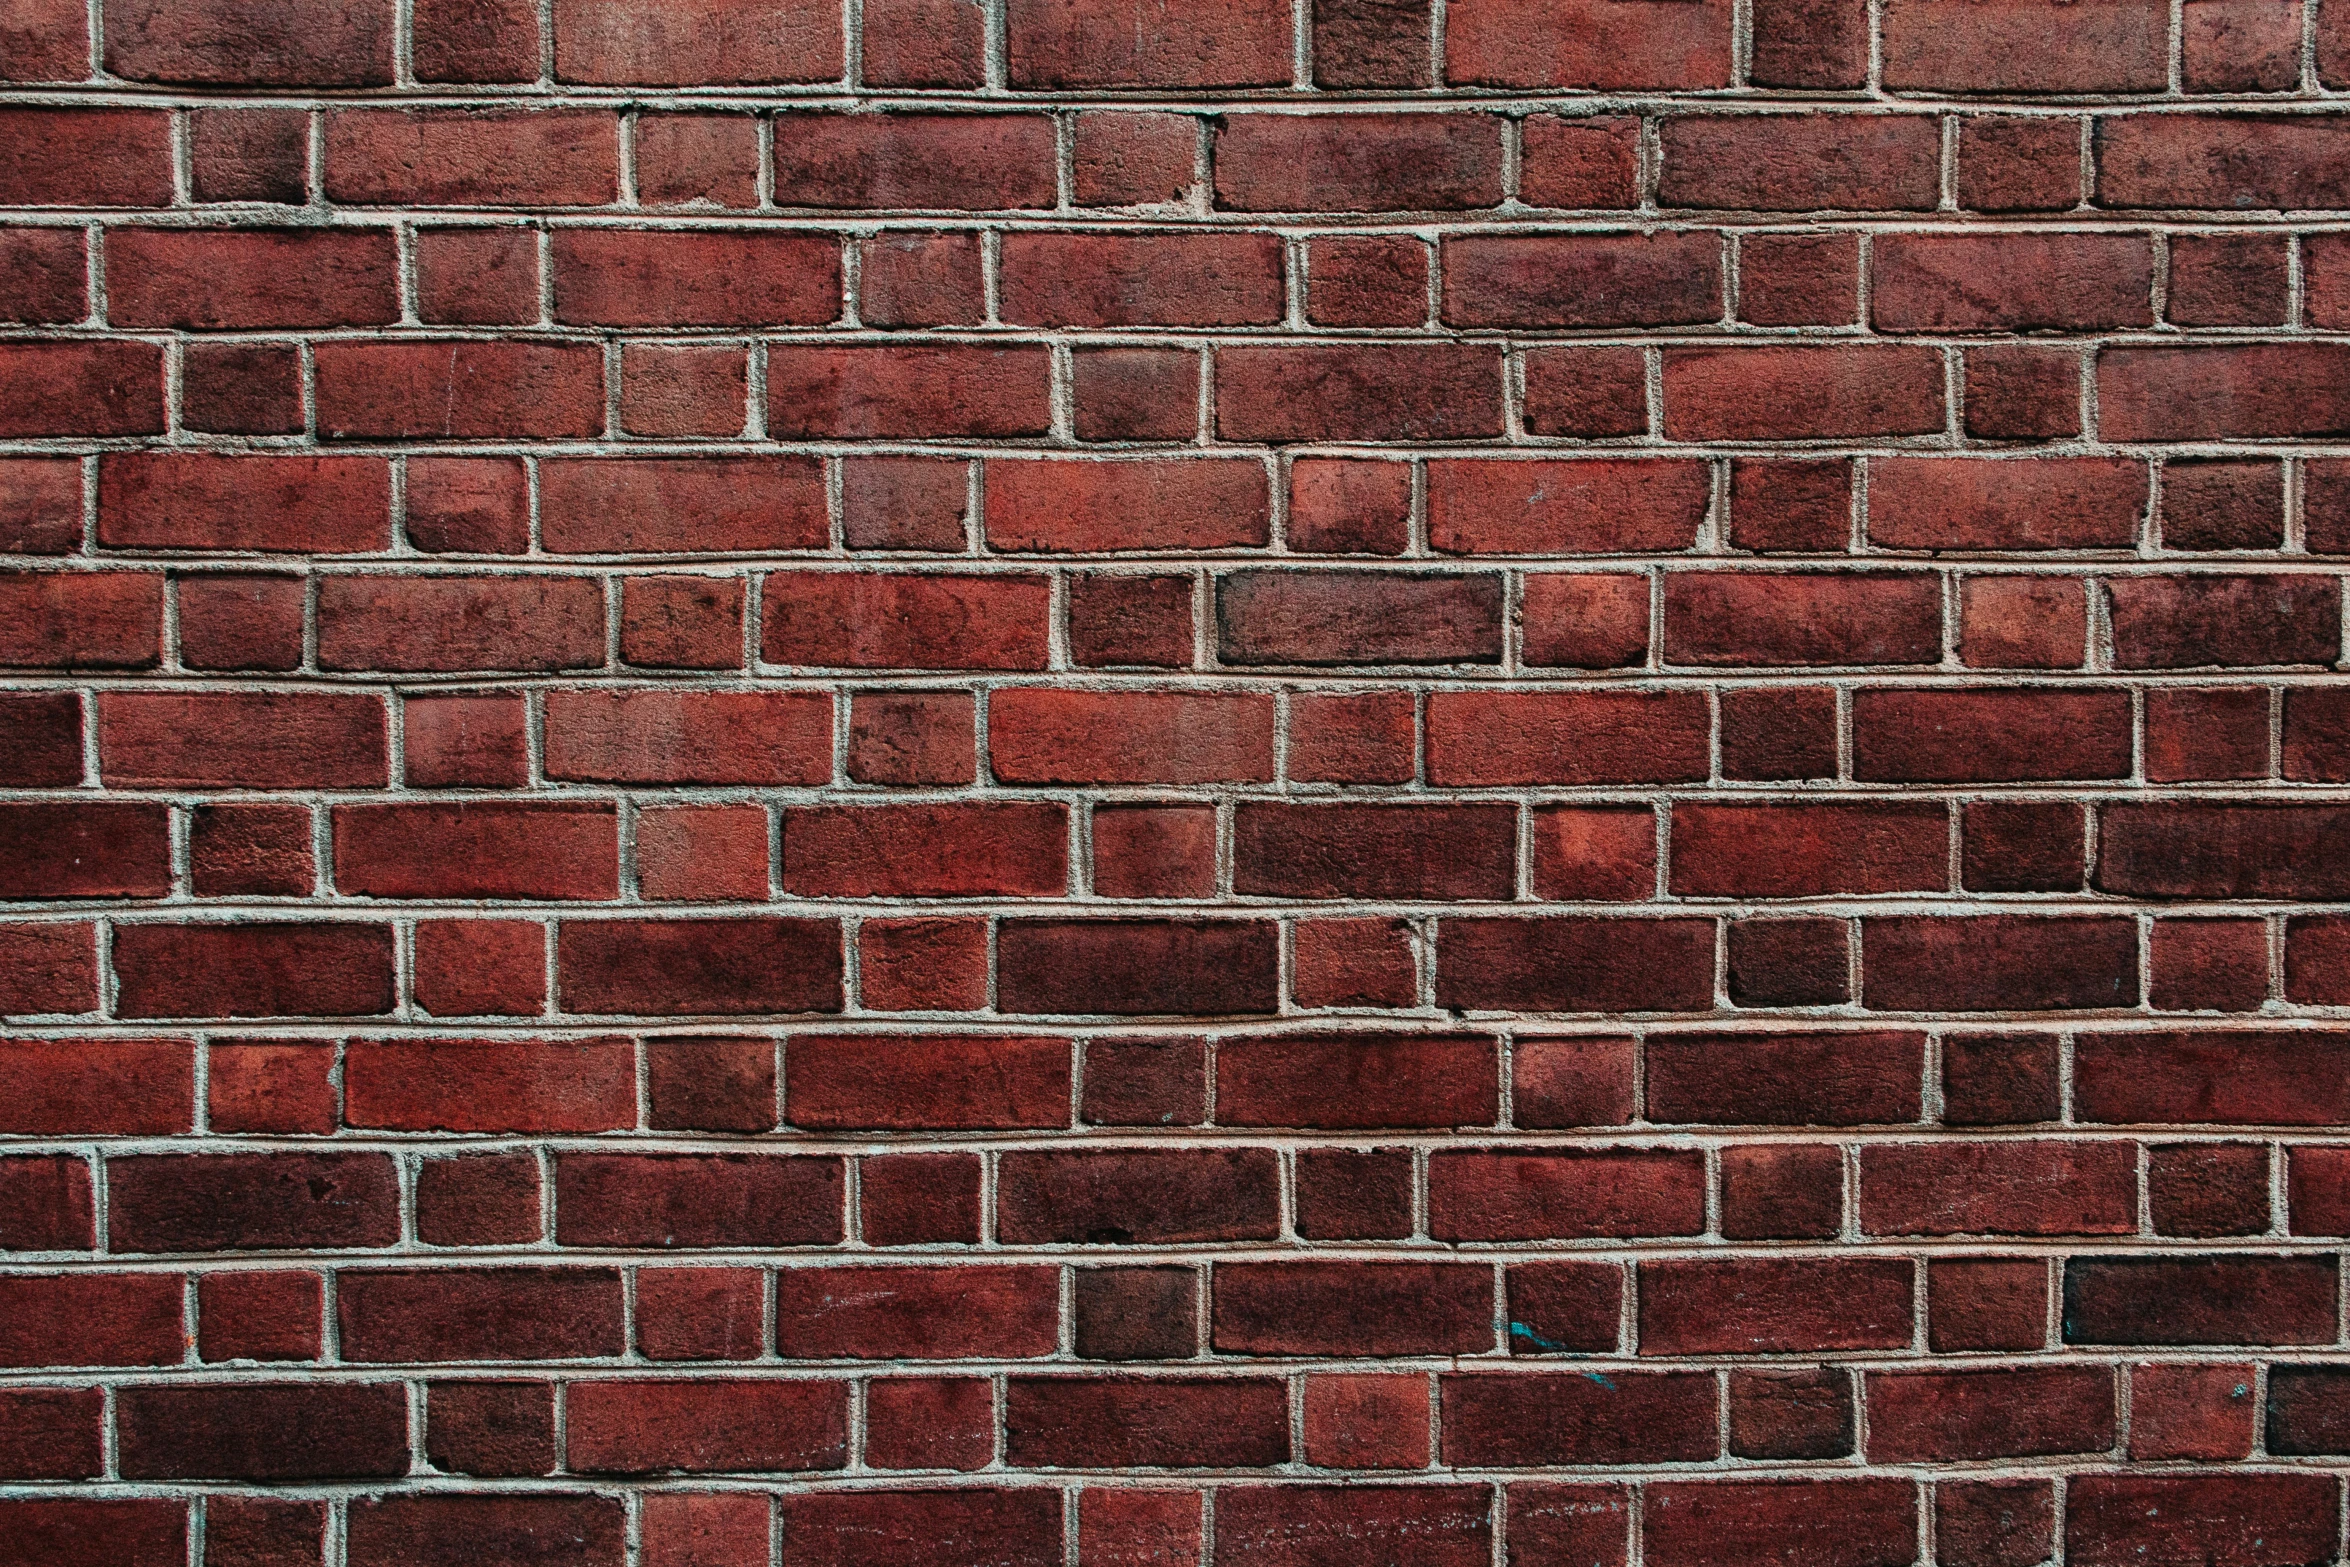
1174, 783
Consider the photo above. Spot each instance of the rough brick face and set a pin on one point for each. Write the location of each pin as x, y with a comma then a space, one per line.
1129, 783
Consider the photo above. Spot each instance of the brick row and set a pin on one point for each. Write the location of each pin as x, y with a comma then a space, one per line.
1373, 160
224, 279
1788, 1306
1360, 1080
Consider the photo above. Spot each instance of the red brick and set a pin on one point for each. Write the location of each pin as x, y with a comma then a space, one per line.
936, 1081
651, 735
2023, 623
2017, 734
490, 1085
882, 391
1366, 1422
253, 970
1775, 1306
2220, 391
1588, 163
1791, 164
1589, 392
443, 1530
1743, 618
689, 854
1802, 392
2116, 1518
710, 41
491, 1428
220, 43
1593, 506
41, 505
1487, 738
1218, 43
46, 1204
1130, 159
474, 41
2003, 1188
1789, 963
478, 277
1526, 1419
867, 1528
46, 271
1799, 279
1662, 279
1344, 1194
479, 1200
703, 1530
1575, 965
630, 277
1602, 853
1357, 162
970, 163
459, 390
924, 43
47, 40
80, 388
213, 279
1367, 281
703, 1427
1579, 1522
57, 1531
469, 158
468, 505
2046, 503
920, 1199
1165, 279
2190, 622
2198, 1300
1358, 392
56, 1433
1352, 1308
916, 1313
682, 392
931, 620
1816, 1079
1146, 504
1301, 1525
1492, 43
689, 159
672, 968
927, 1423
1358, 1080
307, 505
2009, 48
2208, 1076
1940, 1416
1559, 1194
665, 505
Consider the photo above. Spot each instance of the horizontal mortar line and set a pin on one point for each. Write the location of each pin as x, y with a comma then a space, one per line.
1283, 96
1637, 1026
1060, 906
1285, 1475
1662, 1138
1217, 1366
1711, 334
1143, 220
1677, 1249
1251, 679
1745, 795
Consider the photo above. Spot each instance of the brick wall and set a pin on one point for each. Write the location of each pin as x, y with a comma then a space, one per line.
1128, 783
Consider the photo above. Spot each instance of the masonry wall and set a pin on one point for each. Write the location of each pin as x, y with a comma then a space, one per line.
1120, 783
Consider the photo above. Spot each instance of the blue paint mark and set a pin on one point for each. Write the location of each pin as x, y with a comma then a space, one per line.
1520, 1330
